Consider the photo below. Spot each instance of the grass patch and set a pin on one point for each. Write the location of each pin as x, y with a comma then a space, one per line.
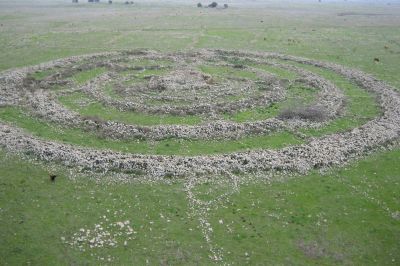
139, 75
87, 75
198, 147
39, 75
111, 113
228, 72
108, 90
280, 72
333, 219
37, 213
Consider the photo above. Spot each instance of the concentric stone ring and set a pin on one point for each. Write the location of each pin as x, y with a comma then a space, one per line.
215, 87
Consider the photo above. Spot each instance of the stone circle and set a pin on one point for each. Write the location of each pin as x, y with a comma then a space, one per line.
206, 83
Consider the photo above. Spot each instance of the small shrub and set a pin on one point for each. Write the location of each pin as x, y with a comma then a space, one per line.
240, 66
29, 81
169, 175
199, 5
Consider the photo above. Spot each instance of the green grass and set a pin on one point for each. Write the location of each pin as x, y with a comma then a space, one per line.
199, 147
269, 222
221, 72
341, 214
87, 75
141, 74
255, 114
227, 38
39, 75
108, 89
164, 147
110, 113
36, 214
280, 72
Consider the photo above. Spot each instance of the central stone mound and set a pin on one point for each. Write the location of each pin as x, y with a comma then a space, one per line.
181, 80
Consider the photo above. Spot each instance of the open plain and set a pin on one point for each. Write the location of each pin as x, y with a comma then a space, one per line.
161, 133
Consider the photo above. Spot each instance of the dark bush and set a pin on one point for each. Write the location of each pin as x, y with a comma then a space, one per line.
225, 5
199, 5
311, 113
213, 4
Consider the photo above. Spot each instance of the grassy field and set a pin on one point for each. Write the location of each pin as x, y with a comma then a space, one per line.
347, 216
343, 217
